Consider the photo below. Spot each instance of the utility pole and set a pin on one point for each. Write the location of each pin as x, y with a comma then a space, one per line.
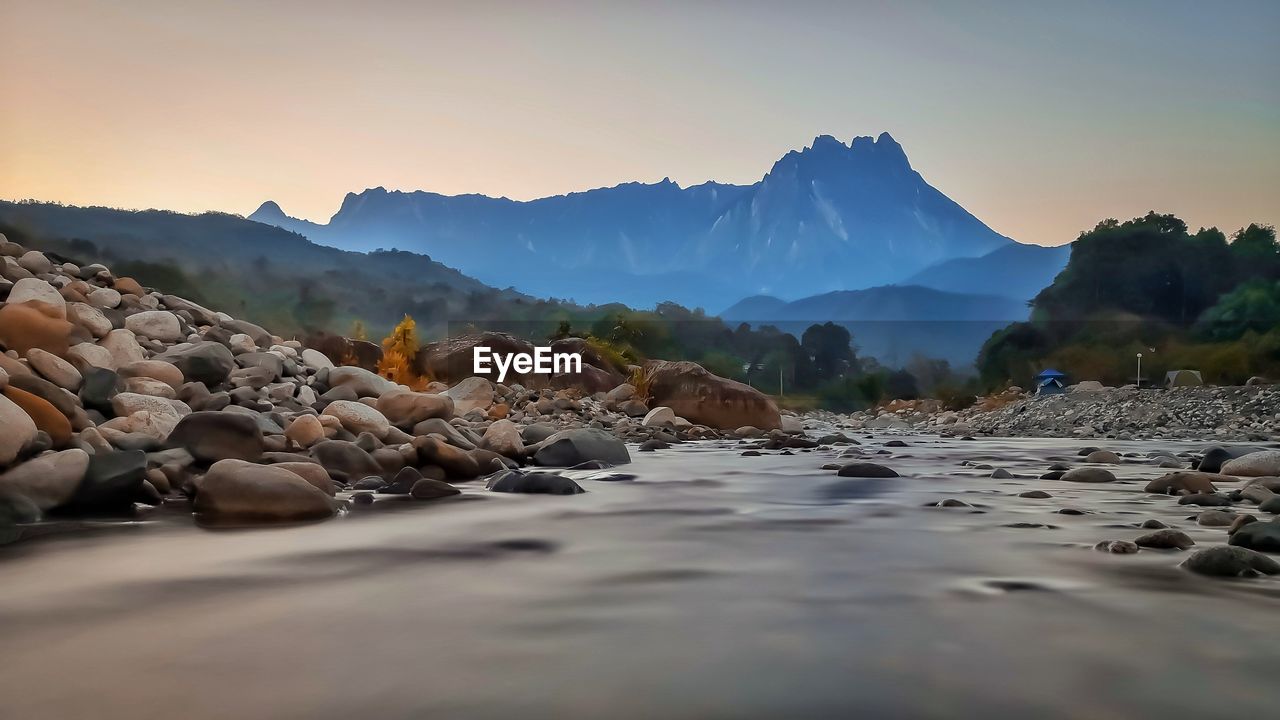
1139, 371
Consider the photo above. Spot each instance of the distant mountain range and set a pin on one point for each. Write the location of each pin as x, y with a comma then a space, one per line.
830, 217
892, 323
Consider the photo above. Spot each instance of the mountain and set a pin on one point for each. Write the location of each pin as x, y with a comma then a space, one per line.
892, 323
832, 216
265, 274
1016, 271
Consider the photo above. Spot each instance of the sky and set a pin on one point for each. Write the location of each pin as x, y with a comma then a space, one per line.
1041, 118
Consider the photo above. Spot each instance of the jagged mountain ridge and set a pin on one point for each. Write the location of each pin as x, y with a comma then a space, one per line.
828, 217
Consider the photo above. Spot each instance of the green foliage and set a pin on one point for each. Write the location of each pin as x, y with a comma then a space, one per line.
1186, 301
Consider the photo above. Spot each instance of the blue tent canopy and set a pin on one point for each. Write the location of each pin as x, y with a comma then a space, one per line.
1050, 373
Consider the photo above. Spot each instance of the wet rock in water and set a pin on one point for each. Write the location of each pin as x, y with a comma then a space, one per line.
1071, 511
896, 444
212, 436
1117, 547
17, 509
244, 491
1001, 474
457, 463
571, 447
1182, 483
513, 481
432, 489
346, 457
751, 453
1035, 495
1167, 539
402, 483
1265, 463
1216, 518
373, 482
313, 473
1204, 500
1228, 561
362, 498
1241, 521
49, 480
1271, 506
1089, 475
112, 482
1261, 536
1105, 457
1085, 451
1053, 475
866, 470
950, 503
1152, 524
653, 444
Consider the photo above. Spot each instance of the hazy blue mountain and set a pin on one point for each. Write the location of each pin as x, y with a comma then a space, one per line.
831, 216
1017, 271
894, 322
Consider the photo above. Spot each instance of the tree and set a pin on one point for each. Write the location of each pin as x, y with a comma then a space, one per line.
830, 347
399, 350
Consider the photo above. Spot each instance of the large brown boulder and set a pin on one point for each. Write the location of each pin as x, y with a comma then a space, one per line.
34, 324
235, 488
43, 414
699, 396
453, 360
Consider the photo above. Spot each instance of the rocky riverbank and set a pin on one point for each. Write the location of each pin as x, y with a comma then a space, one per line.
1228, 414
116, 399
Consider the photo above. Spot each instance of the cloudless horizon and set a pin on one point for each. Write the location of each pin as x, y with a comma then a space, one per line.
1040, 119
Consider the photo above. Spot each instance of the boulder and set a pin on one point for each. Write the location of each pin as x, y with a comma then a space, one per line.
55, 369
159, 370
573, 447
1104, 457
205, 362
90, 318
42, 412
243, 490
700, 397
48, 480
37, 290
1167, 539
347, 458
406, 408
432, 489
457, 463
123, 346
305, 431
113, 481
514, 481
17, 430
1256, 464
160, 325
212, 436
356, 417
1227, 561
313, 473
659, 417
866, 470
1088, 475
360, 381
1260, 536
503, 437
1182, 483
24, 326
453, 360
473, 393
163, 415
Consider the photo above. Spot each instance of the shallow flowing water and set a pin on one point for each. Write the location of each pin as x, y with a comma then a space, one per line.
710, 586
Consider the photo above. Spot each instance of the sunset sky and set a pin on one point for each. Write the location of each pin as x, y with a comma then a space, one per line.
1039, 117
